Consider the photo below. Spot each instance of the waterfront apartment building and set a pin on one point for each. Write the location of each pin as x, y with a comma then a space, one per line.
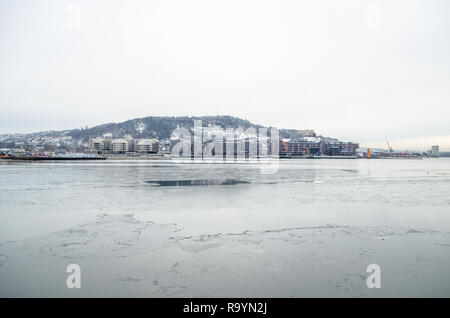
147, 146
435, 151
96, 144
120, 146
251, 147
314, 146
124, 145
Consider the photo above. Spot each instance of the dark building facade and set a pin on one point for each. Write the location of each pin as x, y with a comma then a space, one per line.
302, 148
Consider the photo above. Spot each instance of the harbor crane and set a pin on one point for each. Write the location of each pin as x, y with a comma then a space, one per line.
389, 147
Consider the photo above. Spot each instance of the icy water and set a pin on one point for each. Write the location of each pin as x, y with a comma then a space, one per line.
162, 229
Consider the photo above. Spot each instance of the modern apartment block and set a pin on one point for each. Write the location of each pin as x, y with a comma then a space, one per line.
120, 146
314, 146
147, 146
96, 144
124, 145
435, 151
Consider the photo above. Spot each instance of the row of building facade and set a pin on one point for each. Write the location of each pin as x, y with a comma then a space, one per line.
287, 148
316, 147
250, 148
124, 145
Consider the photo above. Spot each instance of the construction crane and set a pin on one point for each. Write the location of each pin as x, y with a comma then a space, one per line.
389, 146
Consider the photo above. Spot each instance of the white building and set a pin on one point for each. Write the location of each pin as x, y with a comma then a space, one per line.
132, 144
107, 144
119, 146
124, 145
435, 151
96, 143
147, 146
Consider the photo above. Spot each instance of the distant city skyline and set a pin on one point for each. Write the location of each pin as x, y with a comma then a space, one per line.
363, 71
420, 144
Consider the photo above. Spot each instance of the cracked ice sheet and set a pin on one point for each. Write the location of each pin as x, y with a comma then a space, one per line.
122, 256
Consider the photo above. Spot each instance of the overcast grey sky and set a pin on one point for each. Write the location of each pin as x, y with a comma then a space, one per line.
353, 69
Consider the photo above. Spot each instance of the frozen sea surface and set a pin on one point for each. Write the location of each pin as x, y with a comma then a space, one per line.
161, 229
